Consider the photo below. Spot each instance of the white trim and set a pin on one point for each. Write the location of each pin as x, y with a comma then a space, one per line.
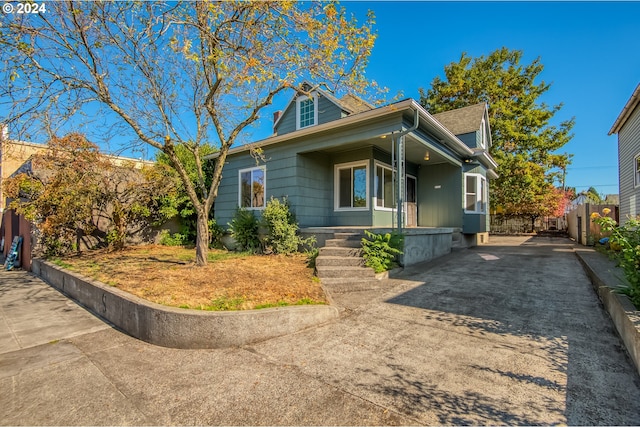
336, 185
479, 190
301, 98
405, 207
636, 175
483, 134
264, 186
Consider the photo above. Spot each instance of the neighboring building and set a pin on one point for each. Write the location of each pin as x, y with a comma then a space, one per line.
627, 126
24, 157
13, 154
344, 163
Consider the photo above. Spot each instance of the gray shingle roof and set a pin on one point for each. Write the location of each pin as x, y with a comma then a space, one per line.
462, 120
355, 104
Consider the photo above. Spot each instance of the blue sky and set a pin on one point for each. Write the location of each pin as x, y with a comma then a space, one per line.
590, 51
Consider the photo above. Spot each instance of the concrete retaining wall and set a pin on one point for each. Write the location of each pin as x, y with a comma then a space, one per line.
422, 244
623, 313
181, 328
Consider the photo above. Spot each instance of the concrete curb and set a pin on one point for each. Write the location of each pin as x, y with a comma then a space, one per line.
623, 313
181, 328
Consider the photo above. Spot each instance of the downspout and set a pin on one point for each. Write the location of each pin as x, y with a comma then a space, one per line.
400, 155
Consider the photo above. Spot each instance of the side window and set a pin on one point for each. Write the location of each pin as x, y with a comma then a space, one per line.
636, 171
475, 193
252, 188
384, 187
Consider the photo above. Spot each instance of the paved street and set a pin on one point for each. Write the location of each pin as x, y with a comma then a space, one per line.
508, 333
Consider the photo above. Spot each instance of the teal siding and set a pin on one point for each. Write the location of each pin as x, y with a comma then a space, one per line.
287, 122
471, 139
440, 196
313, 202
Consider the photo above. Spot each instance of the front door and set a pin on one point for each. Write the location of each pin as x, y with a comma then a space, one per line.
411, 205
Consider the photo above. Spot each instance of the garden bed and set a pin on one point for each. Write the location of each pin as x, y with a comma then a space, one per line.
230, 281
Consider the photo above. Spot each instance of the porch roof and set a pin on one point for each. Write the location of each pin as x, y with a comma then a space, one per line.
409, 106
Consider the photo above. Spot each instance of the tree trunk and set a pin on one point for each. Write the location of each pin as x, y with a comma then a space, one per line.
202, 237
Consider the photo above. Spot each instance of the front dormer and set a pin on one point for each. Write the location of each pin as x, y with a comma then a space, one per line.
470, 124
314, 106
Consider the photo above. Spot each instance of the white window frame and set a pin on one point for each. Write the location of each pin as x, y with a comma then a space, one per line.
299, 101
375, 194
336, 186
480, 189
636, 171
483, 134
264, 187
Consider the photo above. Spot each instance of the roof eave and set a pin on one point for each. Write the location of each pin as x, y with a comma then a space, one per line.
629, 107
446, 136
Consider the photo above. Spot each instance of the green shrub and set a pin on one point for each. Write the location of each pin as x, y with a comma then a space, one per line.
244, 229
624, 241
281, 227
215, 234
380, 251
168, 239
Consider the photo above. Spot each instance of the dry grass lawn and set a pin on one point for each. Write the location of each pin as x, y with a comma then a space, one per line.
230, 281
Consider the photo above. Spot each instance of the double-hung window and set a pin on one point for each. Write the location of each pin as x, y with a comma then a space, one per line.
252, 188
351, 186
384, 187
306, 111
475, 193
636, 170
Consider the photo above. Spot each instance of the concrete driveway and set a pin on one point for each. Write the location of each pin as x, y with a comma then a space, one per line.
509, 333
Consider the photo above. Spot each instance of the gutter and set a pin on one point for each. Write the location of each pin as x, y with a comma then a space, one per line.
626, 111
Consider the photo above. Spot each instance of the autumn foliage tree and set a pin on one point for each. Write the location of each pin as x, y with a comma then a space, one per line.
525, 143
173, 73
73, 191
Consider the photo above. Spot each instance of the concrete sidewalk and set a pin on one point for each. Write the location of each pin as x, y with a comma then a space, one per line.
33, 313
509, 333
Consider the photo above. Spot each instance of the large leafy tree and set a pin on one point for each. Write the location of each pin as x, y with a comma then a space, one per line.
525, 143
72, 190
176, 72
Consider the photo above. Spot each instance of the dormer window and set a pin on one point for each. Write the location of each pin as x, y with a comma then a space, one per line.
306, 111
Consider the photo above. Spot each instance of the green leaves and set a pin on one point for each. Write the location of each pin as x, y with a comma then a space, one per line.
381, 250
525, 142
625, 242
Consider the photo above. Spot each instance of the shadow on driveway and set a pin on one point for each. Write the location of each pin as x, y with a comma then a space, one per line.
532, 297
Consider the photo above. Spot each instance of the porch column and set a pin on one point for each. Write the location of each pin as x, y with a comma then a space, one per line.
401, 181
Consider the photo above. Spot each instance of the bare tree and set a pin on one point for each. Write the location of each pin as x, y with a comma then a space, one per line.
176, 73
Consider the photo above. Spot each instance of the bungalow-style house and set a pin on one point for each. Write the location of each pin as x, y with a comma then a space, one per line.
346, 165
627, 126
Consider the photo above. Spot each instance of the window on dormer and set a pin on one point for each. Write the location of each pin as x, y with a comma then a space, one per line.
306, 111
483, 135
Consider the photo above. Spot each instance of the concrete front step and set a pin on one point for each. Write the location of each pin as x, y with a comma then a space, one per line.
349, 236
344, 285
345, 272
340, 251
343, 243
339, 261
